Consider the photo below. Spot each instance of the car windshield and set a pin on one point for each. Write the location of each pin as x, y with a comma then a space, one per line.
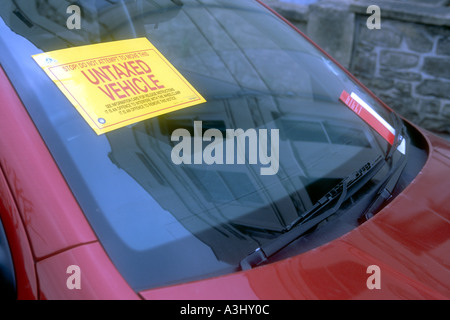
163, 220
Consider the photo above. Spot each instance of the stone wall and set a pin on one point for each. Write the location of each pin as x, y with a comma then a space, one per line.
406, 62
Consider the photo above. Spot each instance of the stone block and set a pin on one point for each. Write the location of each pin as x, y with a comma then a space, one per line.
381, 83
403, 88
384, 37
331, 25
418, 12
434, 124
398, 60
437, 67
443, 46
401, 75
437, 88
429, 106
416, 37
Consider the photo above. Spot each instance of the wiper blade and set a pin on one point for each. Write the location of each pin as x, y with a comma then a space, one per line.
316, 214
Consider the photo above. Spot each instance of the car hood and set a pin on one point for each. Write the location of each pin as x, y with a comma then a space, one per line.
408, 241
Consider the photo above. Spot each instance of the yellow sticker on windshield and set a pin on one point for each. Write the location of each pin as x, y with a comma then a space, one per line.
118, 83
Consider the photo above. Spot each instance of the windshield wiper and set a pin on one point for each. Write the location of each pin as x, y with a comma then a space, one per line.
386, 189
320, 211
339, 194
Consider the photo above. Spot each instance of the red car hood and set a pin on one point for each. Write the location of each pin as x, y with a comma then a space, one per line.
408, 240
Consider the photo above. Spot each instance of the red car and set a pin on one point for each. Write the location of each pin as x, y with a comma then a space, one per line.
333, 196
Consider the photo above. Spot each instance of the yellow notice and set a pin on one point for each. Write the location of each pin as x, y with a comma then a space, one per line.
118, 83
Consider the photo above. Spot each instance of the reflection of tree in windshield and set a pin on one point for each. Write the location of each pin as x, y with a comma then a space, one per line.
43, 22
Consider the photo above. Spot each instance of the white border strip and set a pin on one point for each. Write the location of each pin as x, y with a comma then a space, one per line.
402, 145
373, 112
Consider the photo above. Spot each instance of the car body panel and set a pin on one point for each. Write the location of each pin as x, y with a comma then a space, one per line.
99, 279
22, 257
52, 217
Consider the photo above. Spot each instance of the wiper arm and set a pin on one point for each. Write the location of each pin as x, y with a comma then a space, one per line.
315, 215
386, 189
399, 135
